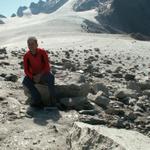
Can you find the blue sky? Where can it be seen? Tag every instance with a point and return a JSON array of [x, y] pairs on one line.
[[7, 7]]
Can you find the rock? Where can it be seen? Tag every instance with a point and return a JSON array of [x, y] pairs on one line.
[[88, 112], [144, 85], [116, 104], [4, 63], [118, 123], [115, 111], [44, 91], [137, 108], [117, 75], [3, 132], [67, 64], [93, 120], [20, 11], [3, 51], [84, 136], [124, 93], [77, 103], [72, 90], [118, 69], [99, 87], [134, 86], [131, 116], [68, 88], [11, 77], [146, 92], [129, 77], [132, 101], [101, 100]]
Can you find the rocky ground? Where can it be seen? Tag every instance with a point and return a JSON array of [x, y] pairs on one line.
[[94, 86]]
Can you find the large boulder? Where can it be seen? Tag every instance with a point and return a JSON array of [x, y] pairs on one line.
[[44, 91], [71, 85], [84, 136]]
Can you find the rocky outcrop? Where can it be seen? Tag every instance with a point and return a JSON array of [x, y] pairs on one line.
[[1, 22], [84, 136], [1, 19], [86, 4], [2, 16], [126, 16], [20, 11], [13, 15], [46, 7], [41, 7]]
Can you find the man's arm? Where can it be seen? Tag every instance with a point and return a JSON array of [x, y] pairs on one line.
[[26, 67], [46, 68]]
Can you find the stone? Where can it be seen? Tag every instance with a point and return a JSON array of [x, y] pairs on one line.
[[102, 101], [11, 77], [129, 77], [44, 91], [77, 103], [96, 87], [115, 111], [93, 120], [117, 75], [124, 93], [85, 136], [144, 85], [88, 112]]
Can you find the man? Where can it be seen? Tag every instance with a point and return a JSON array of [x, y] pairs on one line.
[[37, 69]]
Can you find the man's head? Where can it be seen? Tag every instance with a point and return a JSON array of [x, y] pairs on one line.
[[32, 44]]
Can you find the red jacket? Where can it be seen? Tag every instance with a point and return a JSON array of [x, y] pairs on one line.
[[35, 64]]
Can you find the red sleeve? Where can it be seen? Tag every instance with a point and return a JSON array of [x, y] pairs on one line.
[[26, 67], [46, 62]]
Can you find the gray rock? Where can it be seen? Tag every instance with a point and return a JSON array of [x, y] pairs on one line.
[[46, 7], [77, 103], [11, 77], [99, 99], [20, 11], [67, 64], [144, 85], [102, 101], [146, 92], [129, 77], [3, 133], [84, 136], [115, 111], [96, 87], [93, 120], [117, 75], [124, 93], [131, 116], [134, 86], [89, 112], [72, 90]]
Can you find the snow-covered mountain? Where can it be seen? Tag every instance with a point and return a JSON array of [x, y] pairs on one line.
[[75, 16], [2, 18], [47, 7]]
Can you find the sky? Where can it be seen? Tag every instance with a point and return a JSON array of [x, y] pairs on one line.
[[8, 7]]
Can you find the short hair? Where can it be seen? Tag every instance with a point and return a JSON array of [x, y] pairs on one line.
[[33, 38]]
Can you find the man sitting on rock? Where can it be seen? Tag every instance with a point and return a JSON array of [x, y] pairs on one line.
[[37, 70]]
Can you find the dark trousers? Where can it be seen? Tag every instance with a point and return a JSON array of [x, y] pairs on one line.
[[47, 79]]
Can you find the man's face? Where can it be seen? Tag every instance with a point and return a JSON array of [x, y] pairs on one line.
[[32, 45]]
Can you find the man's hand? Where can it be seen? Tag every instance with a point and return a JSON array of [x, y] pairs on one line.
[[37, 78]]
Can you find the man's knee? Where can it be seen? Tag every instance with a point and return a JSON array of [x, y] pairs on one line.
[[27, 81]]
